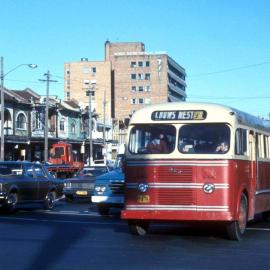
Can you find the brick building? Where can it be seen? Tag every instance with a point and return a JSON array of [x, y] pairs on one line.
[[128, 79]]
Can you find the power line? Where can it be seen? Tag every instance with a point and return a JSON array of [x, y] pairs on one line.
[[231, 69]]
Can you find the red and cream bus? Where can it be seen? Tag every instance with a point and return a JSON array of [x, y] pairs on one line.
[[215, 166]]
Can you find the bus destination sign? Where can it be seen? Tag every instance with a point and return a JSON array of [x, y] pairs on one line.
[[178, 115]]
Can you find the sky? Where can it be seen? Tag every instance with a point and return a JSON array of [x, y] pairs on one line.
[[224, 45]]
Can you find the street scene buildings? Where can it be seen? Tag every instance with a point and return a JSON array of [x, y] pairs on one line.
[[108, 91]]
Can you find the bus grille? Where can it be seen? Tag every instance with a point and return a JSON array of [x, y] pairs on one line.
[[117, 187], [176, 196], [174, 174]]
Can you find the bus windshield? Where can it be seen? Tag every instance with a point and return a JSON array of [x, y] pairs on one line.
[[152, 139], [204, 139]]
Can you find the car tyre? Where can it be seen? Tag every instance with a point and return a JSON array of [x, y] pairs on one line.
[[49, 200], [236, 229], [103, 210], [69, 198], [11, 203]]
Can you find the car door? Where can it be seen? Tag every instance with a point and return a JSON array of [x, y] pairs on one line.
[[28, 184], [43, 182]]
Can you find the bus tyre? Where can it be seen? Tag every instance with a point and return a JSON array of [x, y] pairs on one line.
[[138, 227], [266, 216], [236, 229], [103, 210]]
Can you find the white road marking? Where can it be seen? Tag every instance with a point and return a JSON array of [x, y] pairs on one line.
[[258, 229]]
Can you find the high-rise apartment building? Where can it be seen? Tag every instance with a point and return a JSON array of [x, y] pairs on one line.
[[130, 78]]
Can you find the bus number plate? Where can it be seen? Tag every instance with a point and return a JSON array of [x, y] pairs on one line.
[[143, 198]]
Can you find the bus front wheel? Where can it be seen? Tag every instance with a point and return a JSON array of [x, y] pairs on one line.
[[236, 229], [138, 227]]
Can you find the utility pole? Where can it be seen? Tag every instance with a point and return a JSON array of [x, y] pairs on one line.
[[2, 75], [47, 80], [104, 129], [89, 93], [2, 156]]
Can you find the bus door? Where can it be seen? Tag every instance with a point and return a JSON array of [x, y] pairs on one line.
[[252, 157]]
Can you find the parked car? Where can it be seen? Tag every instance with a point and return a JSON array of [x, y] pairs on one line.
[[26, 182], [83, 182], [109, 189]]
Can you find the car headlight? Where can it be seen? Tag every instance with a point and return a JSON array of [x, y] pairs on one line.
[[100, 189]]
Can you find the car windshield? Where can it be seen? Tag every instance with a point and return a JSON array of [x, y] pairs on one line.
[[119, 162], [204, 139], [95, 171], [152, 139], [11, 169]]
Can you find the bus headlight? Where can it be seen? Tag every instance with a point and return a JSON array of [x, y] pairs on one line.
[[100, 189], [208, 188]]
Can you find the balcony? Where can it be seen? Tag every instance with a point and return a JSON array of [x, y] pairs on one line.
[[177, 90], [176, 78]]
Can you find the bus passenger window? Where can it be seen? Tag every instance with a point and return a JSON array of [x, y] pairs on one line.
[[204, 139], [152, 139], [241, 142]]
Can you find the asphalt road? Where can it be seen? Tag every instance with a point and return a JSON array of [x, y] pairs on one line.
[[74, 236]]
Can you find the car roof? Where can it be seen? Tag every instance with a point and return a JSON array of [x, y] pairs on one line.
[[17, 162]]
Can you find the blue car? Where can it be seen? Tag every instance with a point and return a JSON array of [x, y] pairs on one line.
[[109, 189]]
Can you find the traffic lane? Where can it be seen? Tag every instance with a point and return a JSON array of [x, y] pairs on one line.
[[46, 241]]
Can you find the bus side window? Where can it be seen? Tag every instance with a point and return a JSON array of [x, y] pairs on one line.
[[266, 146], [241, 142]]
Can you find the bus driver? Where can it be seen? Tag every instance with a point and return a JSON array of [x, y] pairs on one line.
[[157, 145]]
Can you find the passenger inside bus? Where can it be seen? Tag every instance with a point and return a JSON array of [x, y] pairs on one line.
[[157, 145], [222, 147], [187, 146]]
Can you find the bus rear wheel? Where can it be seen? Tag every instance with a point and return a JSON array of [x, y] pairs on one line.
[[138, 227], [237, 228]]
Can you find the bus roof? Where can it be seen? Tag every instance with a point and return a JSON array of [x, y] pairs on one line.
[[196, 112]]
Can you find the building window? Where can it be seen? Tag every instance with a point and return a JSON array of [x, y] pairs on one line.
[[147, 63], [86, 70], [86, 82], [140, 76], [133, 64], [68, 95], [147, 101], [147, 88], [133, 101], [21, 121], [140, 63], [94, 69], [141, 101], [133, 88], [133, 76], [62, 124], [73, 128], [140, 88], [68, 72], [147, 76]]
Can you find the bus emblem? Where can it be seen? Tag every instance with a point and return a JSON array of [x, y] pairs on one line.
[[208, 188], [143, 187]]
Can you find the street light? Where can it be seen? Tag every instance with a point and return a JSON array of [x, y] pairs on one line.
[[89, 93], [3, 75]]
